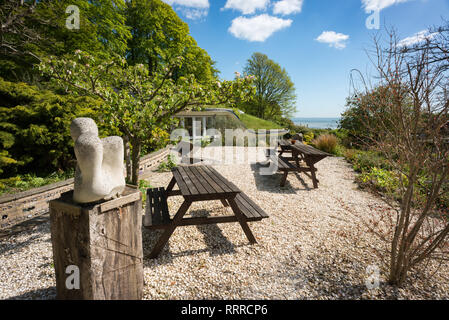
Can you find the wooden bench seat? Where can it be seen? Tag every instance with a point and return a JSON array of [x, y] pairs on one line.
[[157, 209], [249, 208], [283, 164]]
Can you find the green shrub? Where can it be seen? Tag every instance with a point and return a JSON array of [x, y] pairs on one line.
[[340, 151], [143, 186], [166, 166], [343, 137], [308, 137], [350, 155], [375, 172], [286, 123], [381, 179], [205, 142], [364, 161], [443, 200], [29, 181]]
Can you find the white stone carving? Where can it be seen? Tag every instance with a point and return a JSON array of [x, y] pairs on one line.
[[100, 170]]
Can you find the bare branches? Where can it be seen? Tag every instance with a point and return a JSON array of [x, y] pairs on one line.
[[405, 114], [15, 34]]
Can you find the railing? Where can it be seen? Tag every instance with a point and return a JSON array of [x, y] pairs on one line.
[[18, 207]]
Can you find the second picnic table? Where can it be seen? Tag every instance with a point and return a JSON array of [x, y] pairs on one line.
[[300, 152], [198, 183]]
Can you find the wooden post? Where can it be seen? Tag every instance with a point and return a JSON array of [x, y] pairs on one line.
[[104, 242], [203, 126], [193, 128]]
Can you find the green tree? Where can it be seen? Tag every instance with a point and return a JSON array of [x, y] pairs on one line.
[[102, 27], [34, 128], [366, 108], [35, 29], [352, 119], [137, 103], [159, 36], [275, 92]]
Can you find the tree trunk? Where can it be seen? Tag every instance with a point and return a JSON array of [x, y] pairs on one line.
[[135, 162], [400, 248], [399, 275], [128, 159]]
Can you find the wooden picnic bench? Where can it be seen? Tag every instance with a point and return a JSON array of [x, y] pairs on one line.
[[304, 157], [198, 183], [283, 165]]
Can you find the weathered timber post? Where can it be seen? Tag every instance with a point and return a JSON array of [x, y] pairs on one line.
[[104, 242]]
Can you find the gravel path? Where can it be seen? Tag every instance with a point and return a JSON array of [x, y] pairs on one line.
[[316, 244]]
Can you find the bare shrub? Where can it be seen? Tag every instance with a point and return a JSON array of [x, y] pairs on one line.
[[407, 110]]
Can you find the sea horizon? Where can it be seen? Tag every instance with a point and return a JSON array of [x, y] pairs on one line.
[[317, 122]]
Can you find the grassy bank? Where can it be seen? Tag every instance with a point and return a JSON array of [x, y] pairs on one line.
[[25, 182], [254, 123]]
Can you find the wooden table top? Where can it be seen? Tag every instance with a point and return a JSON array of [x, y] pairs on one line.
[[303, 148], [203, 181]]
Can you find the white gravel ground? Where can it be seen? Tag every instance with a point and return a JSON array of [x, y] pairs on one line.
[[316, 244]]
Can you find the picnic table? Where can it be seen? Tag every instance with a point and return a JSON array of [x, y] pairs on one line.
[[300, 154], [198, 183]]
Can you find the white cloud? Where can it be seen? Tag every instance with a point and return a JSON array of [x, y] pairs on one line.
[[247, 6], [204, 4], [417, 38], [194, 14], [258, 28], [191, 9], [377, 5], [336, 40], [286, 7]]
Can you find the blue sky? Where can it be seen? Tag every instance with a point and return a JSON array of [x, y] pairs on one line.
[[318, 42]]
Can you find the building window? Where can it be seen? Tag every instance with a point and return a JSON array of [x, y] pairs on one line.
[[188, 126], [210, 123]]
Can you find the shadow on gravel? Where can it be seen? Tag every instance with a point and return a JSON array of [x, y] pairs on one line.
[[150, 238], [328, 282], [35, 228], [13, 248], [271, 183], [216, 242], [24, 226], [39, 294]]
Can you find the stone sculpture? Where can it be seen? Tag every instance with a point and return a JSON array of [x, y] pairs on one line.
[[100, 170]]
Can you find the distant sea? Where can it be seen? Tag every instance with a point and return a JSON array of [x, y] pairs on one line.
[[317, 123]]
